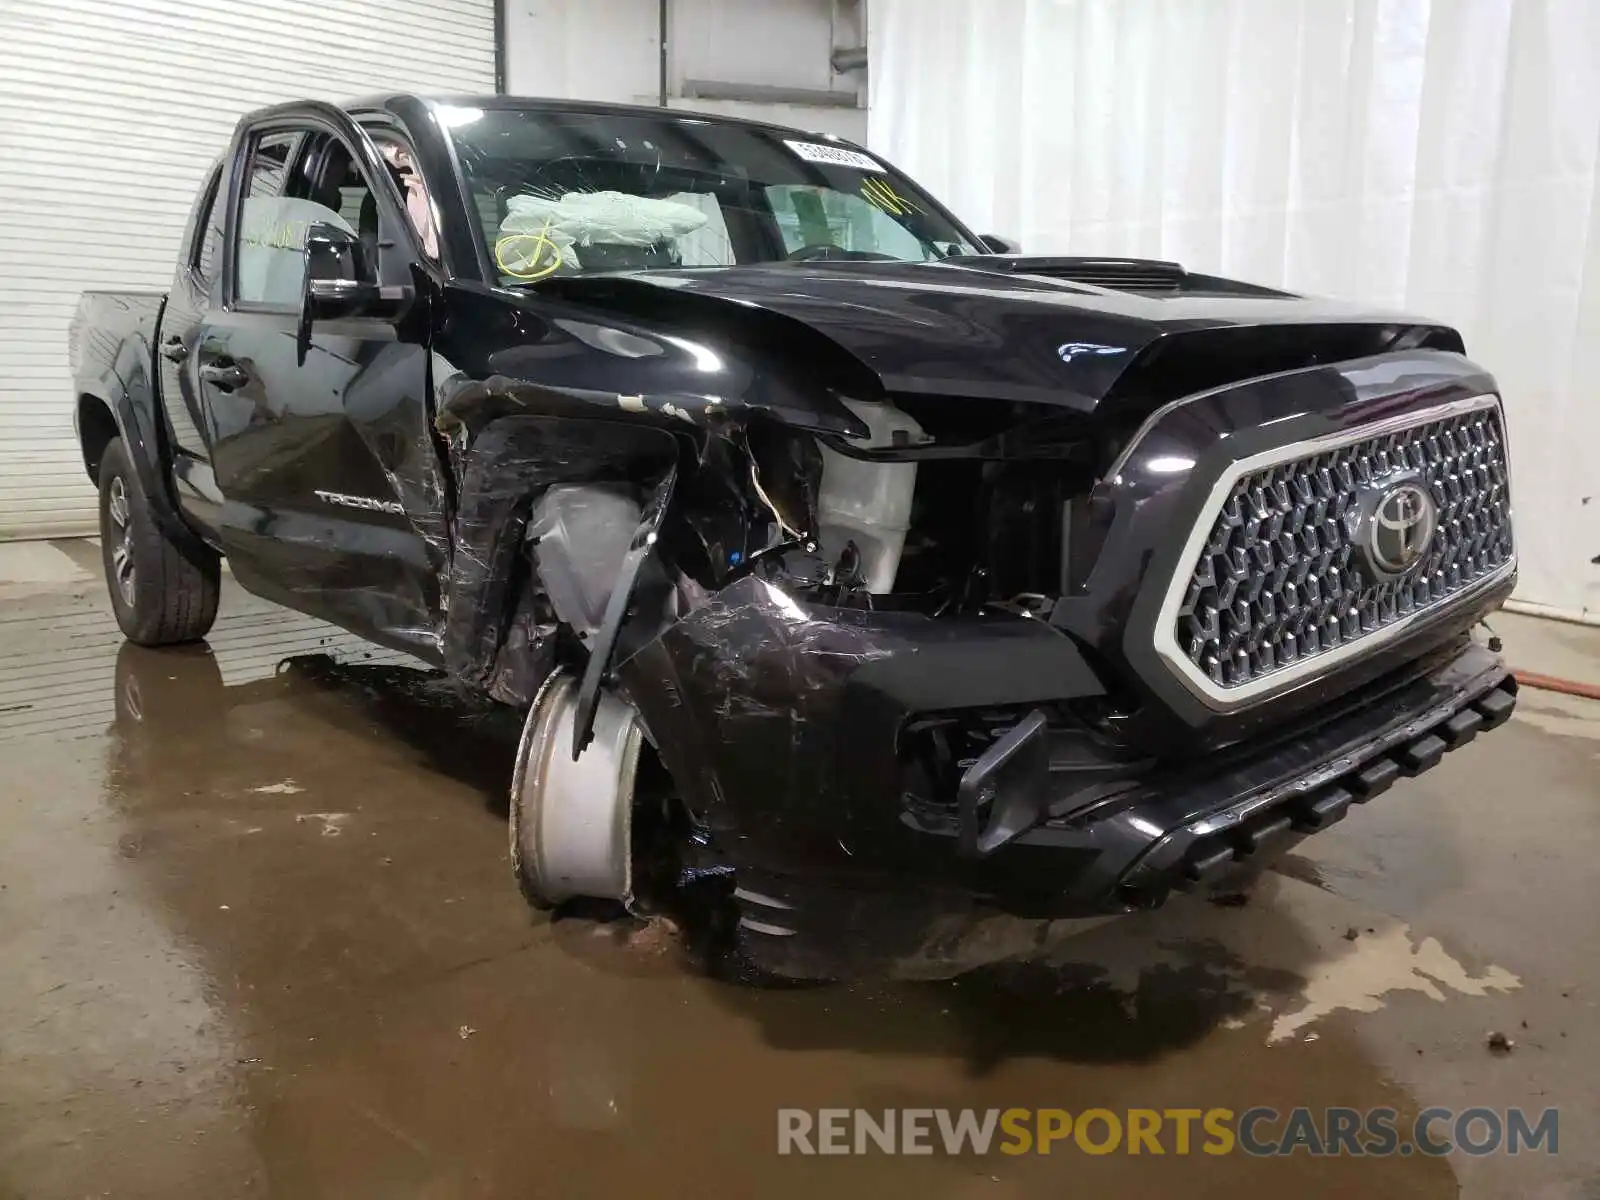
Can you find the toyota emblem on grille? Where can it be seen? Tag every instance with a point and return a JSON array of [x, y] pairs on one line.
[[1399, 528]]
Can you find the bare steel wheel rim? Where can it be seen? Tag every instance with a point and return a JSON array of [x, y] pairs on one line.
[[121, 540]]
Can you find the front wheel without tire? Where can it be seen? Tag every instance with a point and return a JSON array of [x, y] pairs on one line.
[[572, 819], [162, 593]]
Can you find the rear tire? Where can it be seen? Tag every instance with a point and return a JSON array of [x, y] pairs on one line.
[[162, 593]]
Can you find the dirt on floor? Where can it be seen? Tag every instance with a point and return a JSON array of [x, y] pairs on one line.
[[259, 938]]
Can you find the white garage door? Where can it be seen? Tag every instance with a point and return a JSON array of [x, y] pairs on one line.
[[110, 111]]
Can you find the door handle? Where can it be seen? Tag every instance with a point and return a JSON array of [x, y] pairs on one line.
[[225, 377], [173, 350]]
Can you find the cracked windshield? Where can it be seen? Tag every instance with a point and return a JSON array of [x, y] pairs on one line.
[[572, 193]]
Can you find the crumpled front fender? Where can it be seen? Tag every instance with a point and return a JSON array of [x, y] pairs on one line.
[[537, 353], [506, 467]]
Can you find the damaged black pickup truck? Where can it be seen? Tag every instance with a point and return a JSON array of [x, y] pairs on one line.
[[865, 571]]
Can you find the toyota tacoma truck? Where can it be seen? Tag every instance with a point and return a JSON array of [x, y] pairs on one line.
[[870, 574]]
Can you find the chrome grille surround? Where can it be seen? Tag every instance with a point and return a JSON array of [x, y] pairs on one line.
[[1271, 588]]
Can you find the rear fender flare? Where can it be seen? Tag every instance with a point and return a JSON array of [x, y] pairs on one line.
[[128, 392]]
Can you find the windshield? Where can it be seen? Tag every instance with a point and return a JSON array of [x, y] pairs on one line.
[[562, 193]]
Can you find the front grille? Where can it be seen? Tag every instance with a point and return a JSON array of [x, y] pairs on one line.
[[1283, 576]]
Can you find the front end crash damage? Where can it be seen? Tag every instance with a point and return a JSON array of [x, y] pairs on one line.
[[778, 605], [881, 787], [852, 633]]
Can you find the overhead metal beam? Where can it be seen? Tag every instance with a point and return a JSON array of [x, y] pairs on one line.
[[760, 93], [662, 21], [500, 47]]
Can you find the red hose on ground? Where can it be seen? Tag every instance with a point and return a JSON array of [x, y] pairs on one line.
[[1550, 683]]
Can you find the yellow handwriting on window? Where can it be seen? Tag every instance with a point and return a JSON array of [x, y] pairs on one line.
[[286, 235], [881, 193]]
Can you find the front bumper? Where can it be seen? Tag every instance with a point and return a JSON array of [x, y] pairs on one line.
[[805, 793], [1194, 829]]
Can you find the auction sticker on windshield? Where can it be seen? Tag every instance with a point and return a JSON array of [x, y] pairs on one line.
[[834, 156]]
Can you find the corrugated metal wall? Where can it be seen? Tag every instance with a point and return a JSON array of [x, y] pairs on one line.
[[110, 111]]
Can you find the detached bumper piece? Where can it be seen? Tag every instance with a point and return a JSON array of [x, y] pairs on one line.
[[1199, 852]]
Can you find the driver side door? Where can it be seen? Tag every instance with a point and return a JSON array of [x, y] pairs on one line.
[[321, 451]]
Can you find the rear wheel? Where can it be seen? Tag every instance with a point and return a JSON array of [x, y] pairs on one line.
[[161, 593]]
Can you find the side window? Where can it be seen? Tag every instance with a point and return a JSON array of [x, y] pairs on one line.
[[200, 217], [210, 254], [297, 179], [327, 174], [272, 225], [294, 180]]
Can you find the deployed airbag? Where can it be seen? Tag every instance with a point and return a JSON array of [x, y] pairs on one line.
[[539, 233]]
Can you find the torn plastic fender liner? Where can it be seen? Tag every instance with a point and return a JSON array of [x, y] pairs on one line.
[[506, 466], [780, 720], [605, 641]]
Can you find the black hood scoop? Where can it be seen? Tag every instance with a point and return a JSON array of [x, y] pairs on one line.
[[1141, 276]]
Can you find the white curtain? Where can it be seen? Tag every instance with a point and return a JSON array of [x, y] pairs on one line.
[[1439, 157]]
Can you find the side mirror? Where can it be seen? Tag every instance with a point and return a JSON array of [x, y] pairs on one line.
[[339, 280], [995, 244]]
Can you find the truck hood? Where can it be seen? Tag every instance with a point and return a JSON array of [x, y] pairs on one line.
[[1015, 329]]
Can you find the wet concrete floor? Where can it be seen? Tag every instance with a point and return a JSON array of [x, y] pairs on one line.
[[258, 937]]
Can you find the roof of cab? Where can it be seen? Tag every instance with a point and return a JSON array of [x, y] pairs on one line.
[[549, 104]]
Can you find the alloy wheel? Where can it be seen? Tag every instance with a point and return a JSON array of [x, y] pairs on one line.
[[121, 534]]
